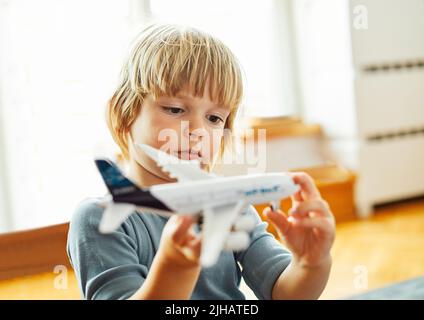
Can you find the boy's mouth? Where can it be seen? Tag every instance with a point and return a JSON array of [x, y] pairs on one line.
[[188, 154]]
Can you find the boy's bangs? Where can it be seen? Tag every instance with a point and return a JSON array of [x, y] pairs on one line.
[[189, 60]]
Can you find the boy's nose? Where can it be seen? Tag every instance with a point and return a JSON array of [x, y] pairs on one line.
[[195, 128], [197, 132]]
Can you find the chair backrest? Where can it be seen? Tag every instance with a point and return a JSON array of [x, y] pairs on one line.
[[34, 265], [33, 251]]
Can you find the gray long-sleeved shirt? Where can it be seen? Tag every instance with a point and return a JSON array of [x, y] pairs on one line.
[[115, 265]]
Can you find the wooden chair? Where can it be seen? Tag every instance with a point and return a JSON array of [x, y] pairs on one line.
[[34, 265]]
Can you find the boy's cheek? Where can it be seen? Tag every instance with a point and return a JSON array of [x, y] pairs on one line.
[[217, 140], [162, 128], [151, 130], [209, 152]]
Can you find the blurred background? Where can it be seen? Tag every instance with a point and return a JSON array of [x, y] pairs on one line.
[[337, 84]]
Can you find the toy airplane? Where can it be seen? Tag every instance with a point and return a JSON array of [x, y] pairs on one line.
[[218, 200]]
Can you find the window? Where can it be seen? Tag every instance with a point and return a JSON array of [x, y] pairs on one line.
[[59, 63]]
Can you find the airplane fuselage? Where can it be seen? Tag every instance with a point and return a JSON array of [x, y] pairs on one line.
[[190, 197]]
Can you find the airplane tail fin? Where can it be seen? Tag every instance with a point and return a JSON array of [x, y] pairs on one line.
[[115, 181]]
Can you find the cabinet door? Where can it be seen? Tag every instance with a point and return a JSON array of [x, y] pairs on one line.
[[395, 31], [391, 170], [390, 102]]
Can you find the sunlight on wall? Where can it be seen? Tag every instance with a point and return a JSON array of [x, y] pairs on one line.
[[59, 64]]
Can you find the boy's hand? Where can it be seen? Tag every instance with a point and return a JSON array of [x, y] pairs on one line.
[[179, 244], [175, 268], [309, 230]]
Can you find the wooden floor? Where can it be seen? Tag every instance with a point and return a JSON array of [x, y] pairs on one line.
[[371, 253], [375, 252], [367, 254], [43, 286]]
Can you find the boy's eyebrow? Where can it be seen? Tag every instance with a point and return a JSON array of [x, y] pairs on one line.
[[185, 99], [180, 100]]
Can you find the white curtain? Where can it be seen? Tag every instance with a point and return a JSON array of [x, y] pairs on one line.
[[59, 62]]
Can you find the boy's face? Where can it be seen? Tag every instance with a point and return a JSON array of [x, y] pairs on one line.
[[185, 126]]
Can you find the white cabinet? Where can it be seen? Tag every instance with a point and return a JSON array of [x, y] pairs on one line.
[[366, 87]]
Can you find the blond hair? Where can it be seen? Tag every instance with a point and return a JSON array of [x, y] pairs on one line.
[[165, 59]]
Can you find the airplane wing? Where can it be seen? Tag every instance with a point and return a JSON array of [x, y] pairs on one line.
[[114, 215], [217, 223], [183, 170]]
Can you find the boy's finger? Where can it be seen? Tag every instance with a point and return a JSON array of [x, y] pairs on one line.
[[192, 248], [297, 197], [182, 226], [278, 219], [320, 223], [189, 237], [307, 186], [196, 245], [303, 209]]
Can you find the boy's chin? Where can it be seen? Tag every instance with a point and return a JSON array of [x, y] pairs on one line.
[[149, 165], [164, 176]]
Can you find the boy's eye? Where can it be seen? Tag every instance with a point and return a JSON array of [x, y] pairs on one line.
[[173, 110], [215, 119]]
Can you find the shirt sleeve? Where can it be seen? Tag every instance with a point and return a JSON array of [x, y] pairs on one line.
[[264, 260], [106, 265]]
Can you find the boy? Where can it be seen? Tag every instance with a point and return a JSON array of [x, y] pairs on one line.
[[185, 81]]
